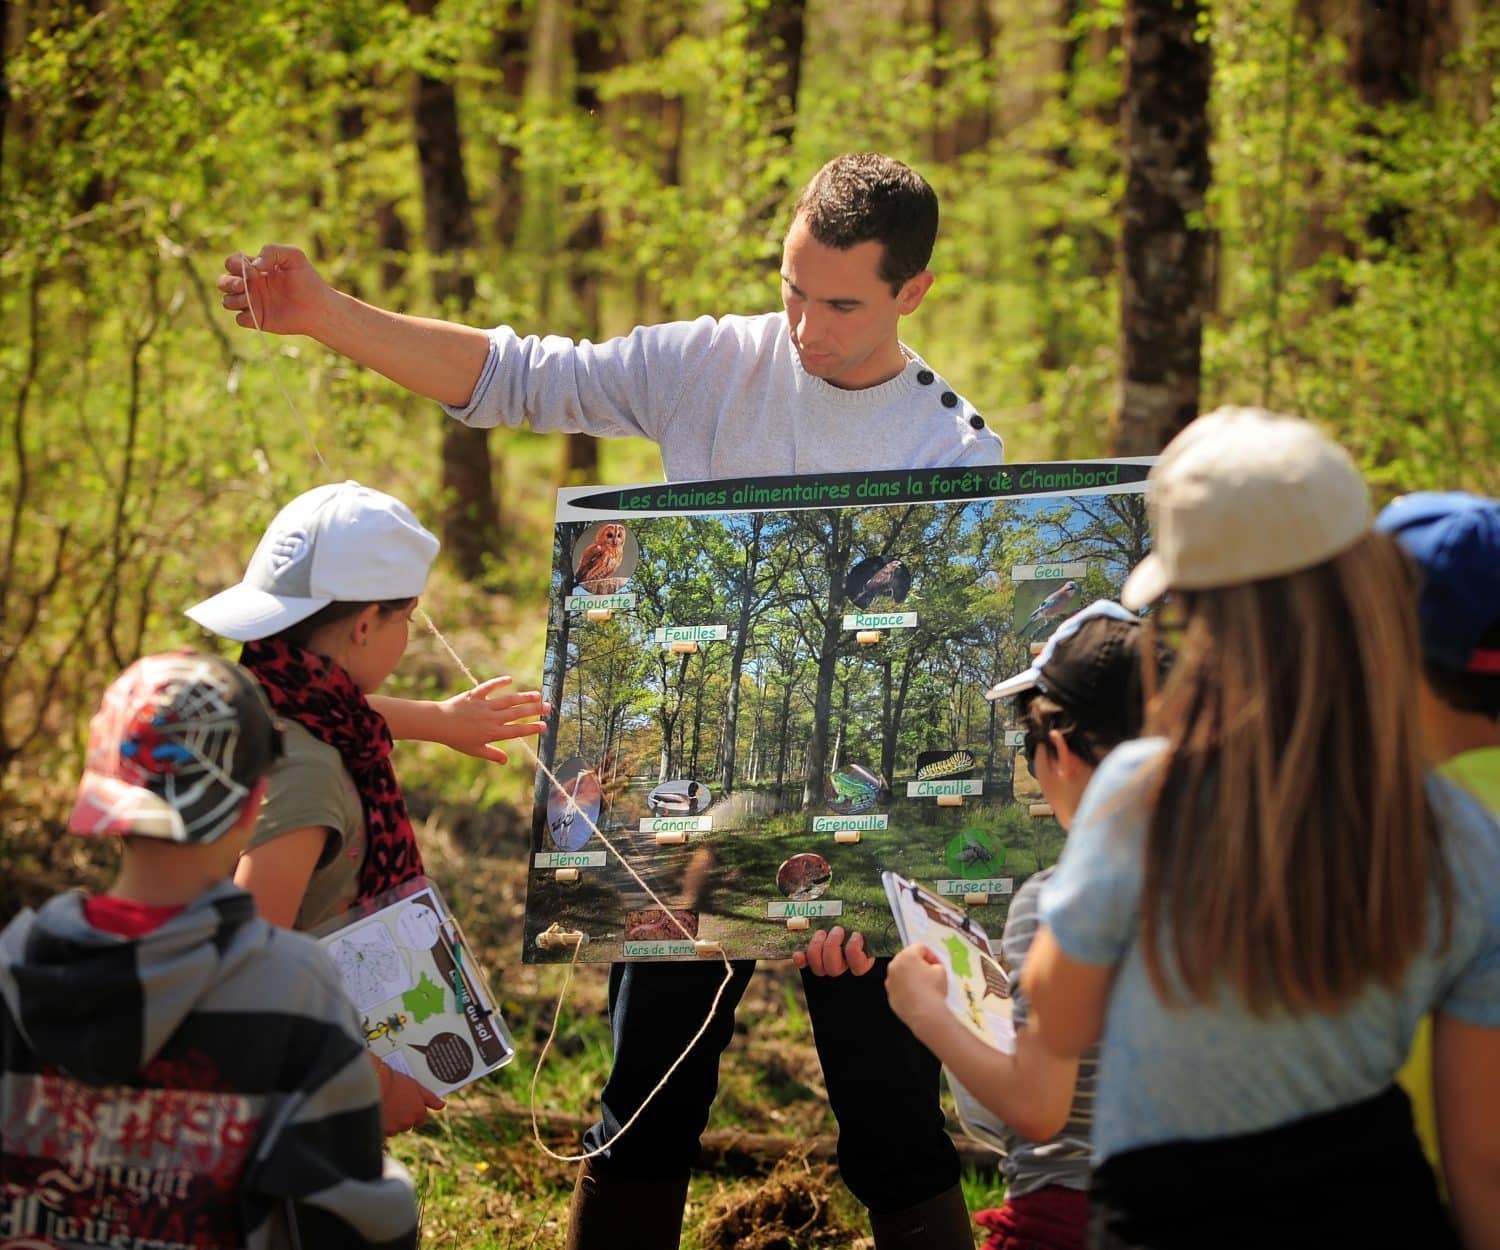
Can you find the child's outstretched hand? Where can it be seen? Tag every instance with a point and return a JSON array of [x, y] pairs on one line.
[[917, 985], [405, 1103], [470, 722], [827, 955], [476, 719]]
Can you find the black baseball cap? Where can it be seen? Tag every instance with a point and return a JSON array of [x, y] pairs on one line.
[[1092, 667]]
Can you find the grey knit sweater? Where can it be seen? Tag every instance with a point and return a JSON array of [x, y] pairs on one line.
[[726, 398]]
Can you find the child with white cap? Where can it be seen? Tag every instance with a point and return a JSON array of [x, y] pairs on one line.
[[324, 611], [132, 1110], [1255, 908], [1080, 698]]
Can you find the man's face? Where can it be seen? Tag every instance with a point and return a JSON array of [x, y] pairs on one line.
[[842, 314]]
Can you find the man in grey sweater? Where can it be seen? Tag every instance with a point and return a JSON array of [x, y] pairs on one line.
[[825, 386]]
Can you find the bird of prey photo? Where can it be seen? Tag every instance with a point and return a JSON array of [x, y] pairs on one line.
[[875, 577]]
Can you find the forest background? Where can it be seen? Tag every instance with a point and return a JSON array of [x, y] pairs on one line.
[[1150, 208]]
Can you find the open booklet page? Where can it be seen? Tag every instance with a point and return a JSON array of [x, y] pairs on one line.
[[978, 984], [423, 1001]]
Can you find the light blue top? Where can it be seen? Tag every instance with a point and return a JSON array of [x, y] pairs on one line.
[[1205, 1071]]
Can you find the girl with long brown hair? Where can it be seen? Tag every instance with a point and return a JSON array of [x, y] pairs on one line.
[[1258, 904]]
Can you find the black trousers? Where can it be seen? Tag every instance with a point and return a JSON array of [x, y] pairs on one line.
[[1353, 1177], [894, 1151]]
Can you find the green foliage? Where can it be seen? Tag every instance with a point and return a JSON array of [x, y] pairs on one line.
[[147, 439], [1359, 260]]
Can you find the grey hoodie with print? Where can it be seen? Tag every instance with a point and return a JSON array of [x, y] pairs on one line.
[[202, 1086]]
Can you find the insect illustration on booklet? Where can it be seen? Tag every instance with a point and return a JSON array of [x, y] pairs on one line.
[[388, 1027]]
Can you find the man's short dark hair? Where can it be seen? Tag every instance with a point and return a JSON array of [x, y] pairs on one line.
[[863, 196]]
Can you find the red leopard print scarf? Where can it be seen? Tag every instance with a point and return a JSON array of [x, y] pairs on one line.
[[321, 697]]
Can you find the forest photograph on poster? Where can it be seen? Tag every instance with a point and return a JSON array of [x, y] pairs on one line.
[[762, 710]]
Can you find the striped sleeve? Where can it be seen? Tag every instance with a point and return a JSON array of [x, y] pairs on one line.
[[1021, 923], [319, 1160]]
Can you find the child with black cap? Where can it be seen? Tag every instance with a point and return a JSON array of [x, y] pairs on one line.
[[1080, 698], [132, 1109]]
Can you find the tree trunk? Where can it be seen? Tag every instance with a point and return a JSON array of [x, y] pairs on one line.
[[780, 27], [512, 49], [776, 41], [963, 21], [748, 572], [835, 562], [392, 238], [1395, 56], [567, 535], [593, 34], [1164, 247], [785, 736], [471, 516]]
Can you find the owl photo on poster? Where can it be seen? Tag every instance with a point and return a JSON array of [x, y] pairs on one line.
[[604, 558]]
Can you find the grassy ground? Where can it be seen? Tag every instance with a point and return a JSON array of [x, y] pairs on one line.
[[488, 1186], [742, 875], [484, 1183]]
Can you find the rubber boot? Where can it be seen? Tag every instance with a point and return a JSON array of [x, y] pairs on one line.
[[611, 1212], [940, 1223]]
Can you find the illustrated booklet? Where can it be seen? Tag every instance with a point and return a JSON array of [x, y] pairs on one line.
[[765, 692], [424, 1004], [978, 981], [979, 989]]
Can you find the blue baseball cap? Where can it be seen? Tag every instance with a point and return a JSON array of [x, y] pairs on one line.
[[1455, 539]]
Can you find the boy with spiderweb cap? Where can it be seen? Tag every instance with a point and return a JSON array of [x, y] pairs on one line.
[[132, 1109]]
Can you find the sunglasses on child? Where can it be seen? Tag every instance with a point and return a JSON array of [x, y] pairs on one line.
[[1029, 745]]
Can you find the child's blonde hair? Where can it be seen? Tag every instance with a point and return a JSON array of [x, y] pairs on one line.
[[1291, 851]]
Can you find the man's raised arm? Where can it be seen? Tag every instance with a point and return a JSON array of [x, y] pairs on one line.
[[439, 359]]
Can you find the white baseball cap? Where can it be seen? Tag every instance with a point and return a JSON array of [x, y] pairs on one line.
[[1243, 494], [338, 543]]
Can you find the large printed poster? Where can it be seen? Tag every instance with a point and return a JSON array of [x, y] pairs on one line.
[[766, 692]]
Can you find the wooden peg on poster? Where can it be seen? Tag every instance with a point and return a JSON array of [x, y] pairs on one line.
[[557, 938]]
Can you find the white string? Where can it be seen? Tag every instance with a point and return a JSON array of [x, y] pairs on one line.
[[578, 946], [245, 263], [667, 911]]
